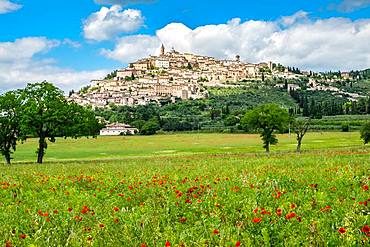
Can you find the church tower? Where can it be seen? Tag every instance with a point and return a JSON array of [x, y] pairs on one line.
[[162, 50]]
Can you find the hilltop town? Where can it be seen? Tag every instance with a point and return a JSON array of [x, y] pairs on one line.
[[171, 75], [174, 75]]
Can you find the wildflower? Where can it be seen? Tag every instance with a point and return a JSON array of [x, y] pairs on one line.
[[22, 236], [216, 232], [55, 211], [365, 229], [70, 209], [293, 206], [116, 220], [257, 220], [101, 225], [78, 218], [279, 212], [341, 230], [85, 209], [237, 244], [326, 208], [8, 243], [182, 220], [168, 244], [255, 211], [143, 245], [290, 216], [116, 209], [365, 187], [121, 195]]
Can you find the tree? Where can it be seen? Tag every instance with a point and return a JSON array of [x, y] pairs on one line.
[[9, 123], [267, 119], [365, 133], [48, 115], [300, 128], [150, 127]]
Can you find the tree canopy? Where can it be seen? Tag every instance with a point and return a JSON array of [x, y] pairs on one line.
[[267, 119]]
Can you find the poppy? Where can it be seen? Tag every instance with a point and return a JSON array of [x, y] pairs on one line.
[[22, 236], [116, 209], [116, 220], [168, 244], [85, 209], [365, 229], [257, 220], [101, 225], [365, 187], [341, 230], [143, 245], [279, 212], [237, 244], [215, 231]]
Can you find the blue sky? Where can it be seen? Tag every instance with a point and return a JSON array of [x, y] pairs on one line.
[[70, 42]]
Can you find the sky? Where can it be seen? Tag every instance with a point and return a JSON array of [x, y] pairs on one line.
[[69, 42]]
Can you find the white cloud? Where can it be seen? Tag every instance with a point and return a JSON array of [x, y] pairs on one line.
[[131, 48], [18, 66], [122, 2], [107, 23], [352, 5], [321, 44], [6, 6]]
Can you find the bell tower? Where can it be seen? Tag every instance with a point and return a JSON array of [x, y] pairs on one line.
[[162, 50]]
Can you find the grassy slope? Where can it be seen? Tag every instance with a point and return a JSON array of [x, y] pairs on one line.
[[180, 144]]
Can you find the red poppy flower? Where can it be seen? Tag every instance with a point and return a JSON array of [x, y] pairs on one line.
[[116, 209], [182, 219], [365, 187], [365, 229], [101, 225], [341, 230], [237, 244], [257, 220], [168, 244], [116, 220], [85, 209], [293, 206], [279, 212], [22, 236], [55, 211], [69, 209], [215, 231], [255, 211], [143, 245], [290, 215]]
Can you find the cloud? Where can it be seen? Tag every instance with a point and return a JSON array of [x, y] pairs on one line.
[[6, 6], [122, 2], [352, 5], [320, 44], [18, 65], [298, 16], [110, 22]]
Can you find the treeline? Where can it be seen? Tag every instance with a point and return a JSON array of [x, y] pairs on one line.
[[40, 110], [325, 105], [360, 75]]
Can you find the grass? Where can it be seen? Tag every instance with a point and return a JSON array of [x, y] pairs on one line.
[[188, 190], [181, 144]]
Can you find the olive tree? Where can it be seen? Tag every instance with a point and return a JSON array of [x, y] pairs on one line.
[[300, 128], [267, 119]]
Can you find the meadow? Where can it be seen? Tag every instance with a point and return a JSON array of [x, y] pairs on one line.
[[188, 190]]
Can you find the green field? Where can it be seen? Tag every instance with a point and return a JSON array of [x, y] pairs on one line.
[[182, 144], [189, 190]]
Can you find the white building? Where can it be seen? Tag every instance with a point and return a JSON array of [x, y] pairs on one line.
[[117, 129]]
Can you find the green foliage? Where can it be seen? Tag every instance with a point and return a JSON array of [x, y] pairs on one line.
[[10, 113], [150, 127], [267, 119], [365, 133], [46, 114], [111, 75]]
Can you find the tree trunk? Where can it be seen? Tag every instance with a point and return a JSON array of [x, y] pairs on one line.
[[7, 158], [40, 151], [299, 145], [268, 147]]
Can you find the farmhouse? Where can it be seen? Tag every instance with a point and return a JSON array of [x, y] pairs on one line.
[[117, 129]]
